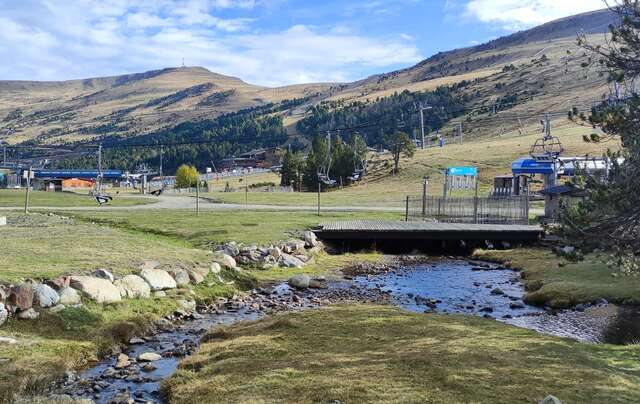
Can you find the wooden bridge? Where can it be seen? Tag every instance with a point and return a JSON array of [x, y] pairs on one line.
[[428, 231]]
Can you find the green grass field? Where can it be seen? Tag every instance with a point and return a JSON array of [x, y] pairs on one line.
[[214, 227], [380, 354], [553, 281], [15, 198], [41, 246]]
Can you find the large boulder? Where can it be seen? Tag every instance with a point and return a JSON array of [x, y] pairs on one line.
[[299, 281], [310, 239], [149, 264], [225, 260], [180, 275], [133, 286], [69, 296], [21, 297], [4, 314], [158, 279], [290, 261], [45, 296], [96, 289]]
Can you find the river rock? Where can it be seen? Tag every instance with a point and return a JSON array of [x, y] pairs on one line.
[[45, 296], [104, 274], [57, 308], [294, 247], [197, 275], [149, 264], [122, 361], [60, 282], [189, 306], [29, 314], [275, 252], [8, 341], [69, 296], [516, 305], [497, 291], [158, 279], [180, 275], [300, 281], [21, 297], [290, 261], [133, 286], [136, 341], [317, 283], [4, 314], [149, 357], [550, 400], [231, 248], [310, 239], [97, 289], [225, 260]]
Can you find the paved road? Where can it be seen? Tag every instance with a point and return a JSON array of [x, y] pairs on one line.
[[188, 202]]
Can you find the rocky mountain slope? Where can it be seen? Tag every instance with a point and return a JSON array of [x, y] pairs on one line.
[[530, 71]]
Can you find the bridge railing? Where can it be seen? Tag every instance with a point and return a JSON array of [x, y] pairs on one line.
[[485, 210]]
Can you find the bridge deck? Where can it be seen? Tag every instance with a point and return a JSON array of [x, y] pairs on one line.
[[397, 230]]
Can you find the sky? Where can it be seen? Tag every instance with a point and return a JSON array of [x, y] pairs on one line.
[[265, 42]]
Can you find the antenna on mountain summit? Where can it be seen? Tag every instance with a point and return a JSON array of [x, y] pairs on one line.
[[183, 62]]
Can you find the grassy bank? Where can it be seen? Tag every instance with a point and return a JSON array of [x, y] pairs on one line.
[[39, 246], [383, 354], [551, 280], [15, 198], [214, 227]]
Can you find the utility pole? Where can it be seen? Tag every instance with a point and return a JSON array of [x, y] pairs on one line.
[[425, 185], [460, 131], [26, 197], [161, 172], [198, 197], [422, 109]]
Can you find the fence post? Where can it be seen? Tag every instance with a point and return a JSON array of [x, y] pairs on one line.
[[406, 209], [425, 184], [475, 204]]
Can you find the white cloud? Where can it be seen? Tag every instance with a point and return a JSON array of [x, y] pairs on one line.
[[57, 39], [520, 14]]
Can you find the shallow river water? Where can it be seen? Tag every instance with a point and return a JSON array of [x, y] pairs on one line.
[[439, 285]]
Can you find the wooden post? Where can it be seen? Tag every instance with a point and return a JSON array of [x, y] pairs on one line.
[[406, 209], [246, 195], [319, 189]]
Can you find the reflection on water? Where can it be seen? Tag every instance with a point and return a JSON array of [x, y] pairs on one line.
[[458, 286]]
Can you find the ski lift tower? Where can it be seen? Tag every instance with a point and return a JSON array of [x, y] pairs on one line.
[[546, 151]]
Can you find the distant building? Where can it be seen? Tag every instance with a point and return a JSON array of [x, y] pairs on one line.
[[260, 158]]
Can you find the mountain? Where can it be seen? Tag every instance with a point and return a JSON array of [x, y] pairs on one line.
[[128, 105], [527, 73]]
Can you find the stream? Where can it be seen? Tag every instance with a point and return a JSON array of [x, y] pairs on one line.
[[438, 285]]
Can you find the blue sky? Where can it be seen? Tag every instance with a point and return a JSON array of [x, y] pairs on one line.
[[267, 42]]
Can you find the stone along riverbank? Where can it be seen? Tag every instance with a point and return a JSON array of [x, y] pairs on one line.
[[436, 285]]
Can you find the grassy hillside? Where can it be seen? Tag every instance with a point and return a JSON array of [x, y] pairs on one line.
[[522, 75]]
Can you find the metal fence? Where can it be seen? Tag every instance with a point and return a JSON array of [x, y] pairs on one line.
[[491, 210]]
